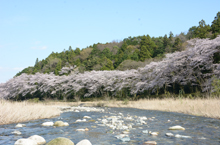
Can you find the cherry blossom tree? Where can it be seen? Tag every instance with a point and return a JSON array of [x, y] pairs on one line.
[[194, 67]]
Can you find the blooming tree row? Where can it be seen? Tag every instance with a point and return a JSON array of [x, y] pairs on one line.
[[193, 67]]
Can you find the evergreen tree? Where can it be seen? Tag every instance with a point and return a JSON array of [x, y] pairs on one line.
[[124, 46], [170, 38], [165, 41], [203, 29], [58, 68], [77, 51], [177, 44], [216, 25], [144, 53]]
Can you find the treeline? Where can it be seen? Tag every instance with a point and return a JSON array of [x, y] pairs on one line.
[[131, 53], [185, 73]]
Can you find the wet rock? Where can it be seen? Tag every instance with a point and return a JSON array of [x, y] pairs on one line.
[[60, 123], [87, 117], [145, 131], [38, 139], [125, 139], [86, 129], [79, 120], [84, 142], [177, 127], [154, 133], [126, 132], [20, 125], [16, 132], [201, 138], [66, 124], [182, 136], [60, 141], [47, 124], [25, 142], [150, 143], [169, 134], [120, 136]]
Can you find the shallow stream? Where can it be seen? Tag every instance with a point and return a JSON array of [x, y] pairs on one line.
[[203, 131]]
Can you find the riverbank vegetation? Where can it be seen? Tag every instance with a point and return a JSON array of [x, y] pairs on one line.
[[14, 112], [137, 68]]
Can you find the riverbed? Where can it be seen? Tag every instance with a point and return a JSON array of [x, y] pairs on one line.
[[114, 126]]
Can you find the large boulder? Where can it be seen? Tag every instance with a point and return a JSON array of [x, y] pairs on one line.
[[60, 141], [38, 139], [23, 141], [84, 142]]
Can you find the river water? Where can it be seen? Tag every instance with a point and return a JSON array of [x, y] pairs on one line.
[[202, 130]]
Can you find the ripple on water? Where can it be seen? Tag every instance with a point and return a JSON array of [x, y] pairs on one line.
[[202, 130]]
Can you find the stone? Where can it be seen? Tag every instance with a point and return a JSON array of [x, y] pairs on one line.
[[79, 120], [47, 124], [182, 136], [23, 141], [169, 134], [60, 141], [125, 139], [84, 142], [39, 140], [176, 128], [145, 131], [120, 136], [86, 129], [150, 143], [87, 117], [20, 125], [60, 123], [16, 132], [154, 133], [66, 124]]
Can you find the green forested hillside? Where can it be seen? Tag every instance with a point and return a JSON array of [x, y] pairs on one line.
[[131, 53]]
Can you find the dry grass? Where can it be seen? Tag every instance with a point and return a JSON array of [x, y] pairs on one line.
[[200, 107], [14, 112]]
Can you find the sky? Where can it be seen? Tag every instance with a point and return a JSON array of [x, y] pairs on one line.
[[34, 29]]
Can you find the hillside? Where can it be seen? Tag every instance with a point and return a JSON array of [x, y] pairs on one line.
[[141, 65], [188, 71]]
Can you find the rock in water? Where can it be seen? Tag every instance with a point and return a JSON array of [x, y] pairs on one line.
[[60, 141], [61, 123], [38, 139], [182, 136], [169, 134], [16, 132], [25, 142], [47, 124], [176, 128], [20, 125], [125, 139], [150, 143], [84, 142]]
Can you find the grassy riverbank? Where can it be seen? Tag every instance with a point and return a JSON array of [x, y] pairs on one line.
[[209, 107], [14, 112]]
